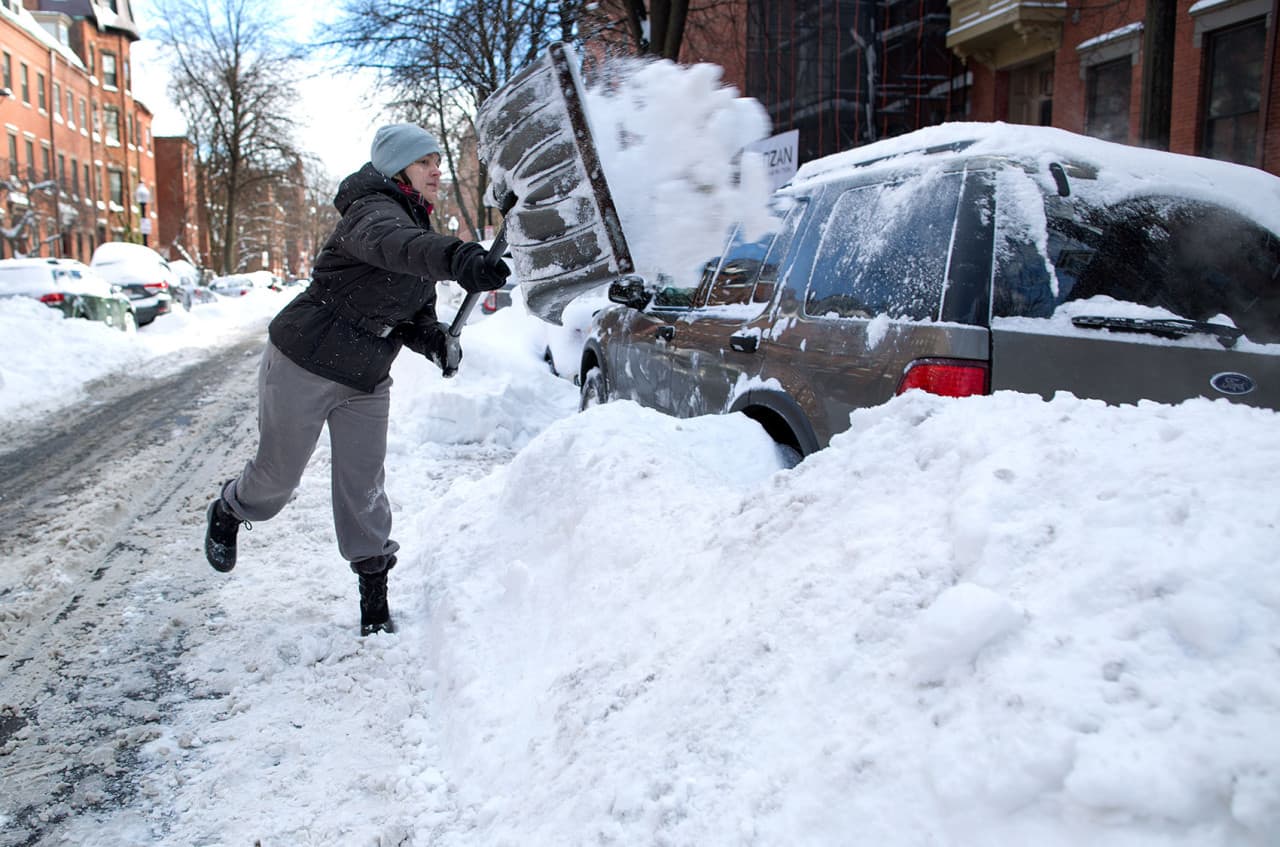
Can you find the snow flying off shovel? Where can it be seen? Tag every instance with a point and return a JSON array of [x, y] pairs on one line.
[[563, 233]]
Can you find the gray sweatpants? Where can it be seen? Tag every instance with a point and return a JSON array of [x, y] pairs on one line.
[[293, 405]]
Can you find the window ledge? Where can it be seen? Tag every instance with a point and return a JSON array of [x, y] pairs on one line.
[[1217, 14]]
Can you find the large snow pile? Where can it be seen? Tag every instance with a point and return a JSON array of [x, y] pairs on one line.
[[990, 621], [671, 139]]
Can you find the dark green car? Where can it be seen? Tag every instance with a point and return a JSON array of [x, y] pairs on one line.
[[69, 286]]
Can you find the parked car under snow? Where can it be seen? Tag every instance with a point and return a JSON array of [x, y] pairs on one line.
[[965, 259]]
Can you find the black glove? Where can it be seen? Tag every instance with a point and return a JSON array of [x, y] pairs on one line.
[[432, 339], [472, 270], [443, 349]]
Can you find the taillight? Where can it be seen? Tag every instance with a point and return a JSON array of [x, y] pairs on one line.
[[947, 377], [157, 287], [490, 302], [51, 299]]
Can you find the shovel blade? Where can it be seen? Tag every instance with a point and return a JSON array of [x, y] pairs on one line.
[[563, 233]]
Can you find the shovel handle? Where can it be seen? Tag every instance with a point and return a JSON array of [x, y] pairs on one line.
[[493, 257]]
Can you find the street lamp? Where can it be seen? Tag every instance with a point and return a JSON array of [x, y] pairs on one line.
[[143, 196]]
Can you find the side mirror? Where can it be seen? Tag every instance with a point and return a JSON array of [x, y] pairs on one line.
[[629, 291]]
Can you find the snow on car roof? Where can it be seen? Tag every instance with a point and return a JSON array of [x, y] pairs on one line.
[[1122, 170], [120, 251]]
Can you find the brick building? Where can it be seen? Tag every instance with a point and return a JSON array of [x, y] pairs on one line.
[[846, 72], [842, 72], [76, 142], [181, 231], [1079, 66]]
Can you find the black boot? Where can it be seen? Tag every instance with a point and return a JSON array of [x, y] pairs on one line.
[[374, 614], [220, 536]]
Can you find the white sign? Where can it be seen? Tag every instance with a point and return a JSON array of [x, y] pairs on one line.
[[144, 226], [781, 155]]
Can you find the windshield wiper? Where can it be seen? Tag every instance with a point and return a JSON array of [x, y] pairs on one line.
[[1163, 327]]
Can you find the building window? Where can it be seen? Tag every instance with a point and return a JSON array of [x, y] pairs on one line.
[[88, 183], [84, 122], [129, 133], [13, 155], [109, 78], [1107, 100], [75, 177], [71, 109], [6, 71], [93, 61], [117, 187], [41, 101], [62, 172], [31, 160], [57, 99], [111, 119], [127, 82], [1234, 92], [25, 78], [46, 172]]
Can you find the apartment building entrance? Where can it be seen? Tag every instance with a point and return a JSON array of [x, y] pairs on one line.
[[1031, 93]]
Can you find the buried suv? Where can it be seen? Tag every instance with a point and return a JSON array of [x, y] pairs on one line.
[[964, 259]]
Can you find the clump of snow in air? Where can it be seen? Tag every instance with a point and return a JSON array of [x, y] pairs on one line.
[[670, 141]]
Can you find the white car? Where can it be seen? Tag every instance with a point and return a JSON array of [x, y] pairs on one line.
[[69, 286], [141, 272]]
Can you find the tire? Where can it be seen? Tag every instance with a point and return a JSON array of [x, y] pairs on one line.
[[594, 390], [130, 324]]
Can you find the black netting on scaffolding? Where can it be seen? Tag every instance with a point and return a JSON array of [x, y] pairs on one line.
[[848, 72]]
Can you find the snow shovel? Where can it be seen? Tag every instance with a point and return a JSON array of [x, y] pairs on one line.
[[493, 257], [564, 233]]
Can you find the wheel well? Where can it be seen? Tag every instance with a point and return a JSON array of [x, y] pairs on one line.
[[589, 361], [775, 425]]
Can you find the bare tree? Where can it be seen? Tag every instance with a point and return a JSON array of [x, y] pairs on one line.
[[440, 60], [234, 81]]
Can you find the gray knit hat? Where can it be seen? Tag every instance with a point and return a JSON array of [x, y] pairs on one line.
[[396, 146]]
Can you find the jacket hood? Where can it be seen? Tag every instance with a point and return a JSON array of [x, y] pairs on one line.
[[363, 182]]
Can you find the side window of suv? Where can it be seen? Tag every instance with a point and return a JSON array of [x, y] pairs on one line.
[[748, 271], [885, 250]]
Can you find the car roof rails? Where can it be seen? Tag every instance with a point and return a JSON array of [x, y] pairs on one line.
[[949, 147]]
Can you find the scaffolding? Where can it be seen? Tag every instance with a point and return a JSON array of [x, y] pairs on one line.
[[849, 72]]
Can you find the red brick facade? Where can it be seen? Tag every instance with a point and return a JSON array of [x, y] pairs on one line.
[[70, 122], [1096, 32], [181, 232]]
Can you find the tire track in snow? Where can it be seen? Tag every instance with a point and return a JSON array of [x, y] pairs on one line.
[[98, 503]]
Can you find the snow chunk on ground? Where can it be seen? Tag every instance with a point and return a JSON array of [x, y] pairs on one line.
[[959, 624]]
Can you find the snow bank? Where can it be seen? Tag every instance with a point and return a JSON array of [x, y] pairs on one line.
[[46, 360], [987, 621]]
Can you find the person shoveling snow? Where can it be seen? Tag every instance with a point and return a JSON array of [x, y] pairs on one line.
[[330, 354]]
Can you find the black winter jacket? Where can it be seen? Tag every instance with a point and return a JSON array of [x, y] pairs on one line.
[[372, 287]]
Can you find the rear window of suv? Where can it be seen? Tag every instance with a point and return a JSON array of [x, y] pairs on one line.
[[885, 250], [1194, 259]]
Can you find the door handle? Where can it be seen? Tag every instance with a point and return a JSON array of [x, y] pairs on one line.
[[744, 342], [666, 333]]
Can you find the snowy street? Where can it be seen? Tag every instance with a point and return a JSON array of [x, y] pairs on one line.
[[979, 622]]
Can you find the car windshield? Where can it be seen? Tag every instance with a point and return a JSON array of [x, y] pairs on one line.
[[1193, 259]]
